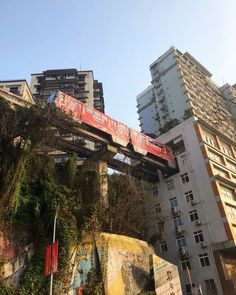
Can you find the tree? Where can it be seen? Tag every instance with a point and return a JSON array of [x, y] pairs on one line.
[[32, 185], [22, 132]]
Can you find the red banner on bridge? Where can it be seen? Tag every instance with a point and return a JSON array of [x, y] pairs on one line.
[[119, 132]]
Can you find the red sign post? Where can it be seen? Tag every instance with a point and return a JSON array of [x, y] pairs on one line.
[[51, 259]]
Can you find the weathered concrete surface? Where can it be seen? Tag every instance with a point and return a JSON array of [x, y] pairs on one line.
[[128, 266]]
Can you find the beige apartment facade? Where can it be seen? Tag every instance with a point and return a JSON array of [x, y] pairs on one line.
[[198, 206], [16, 92], [220, 155], [191, 113]]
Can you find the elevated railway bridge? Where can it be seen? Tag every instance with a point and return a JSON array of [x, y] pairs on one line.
[[98, 137], [143, 155]]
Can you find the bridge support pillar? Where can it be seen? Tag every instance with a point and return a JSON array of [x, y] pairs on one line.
[[103, 182], [100, 180], [99, 164]]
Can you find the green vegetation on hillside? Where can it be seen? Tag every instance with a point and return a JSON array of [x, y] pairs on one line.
[[32, 185]]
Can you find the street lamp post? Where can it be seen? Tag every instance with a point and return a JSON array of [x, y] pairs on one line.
[[53, 241]]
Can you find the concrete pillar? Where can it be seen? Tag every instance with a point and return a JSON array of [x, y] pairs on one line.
[[100, 181], [103, 182]]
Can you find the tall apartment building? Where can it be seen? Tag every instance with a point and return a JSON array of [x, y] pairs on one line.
[[182, 87], [79, 84], [198, 203]]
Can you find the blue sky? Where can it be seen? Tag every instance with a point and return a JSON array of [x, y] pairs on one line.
[[117, 39]]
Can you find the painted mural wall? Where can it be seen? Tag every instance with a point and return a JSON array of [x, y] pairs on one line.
[[128, 266]]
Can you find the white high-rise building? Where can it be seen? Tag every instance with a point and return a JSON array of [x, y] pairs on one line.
[[198, 203], [182, 87]]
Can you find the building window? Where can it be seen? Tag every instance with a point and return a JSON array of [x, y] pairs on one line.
[[61, 76], [155, 192], [234, 228], [181, 242], [184, 178], [226, 149], [231, 165], [70, 75], [158, 208], [96, 103], [189, 196], [193, 215], [173, 202], [97, 95], [221, 172], [163, 247], [198, 236], [227, 193], [81, 88], [204, 259], [188, 290], [81, 78], [233, 177], [14, 90], [210, 287], [183, 159], [177, 221], [231, 211], [169, 184], [211, 140], [215, 157], [185, 262], [161, 226]]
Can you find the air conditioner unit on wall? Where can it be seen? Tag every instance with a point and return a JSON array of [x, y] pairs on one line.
[[175, 210], [179, 229], [183, 251], [193, 202], [198, 222], [204, 245]]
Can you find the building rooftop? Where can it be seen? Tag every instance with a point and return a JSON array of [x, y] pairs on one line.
[[149, 88], [62, 70], [18, 80], [186, 54], [189, 56]]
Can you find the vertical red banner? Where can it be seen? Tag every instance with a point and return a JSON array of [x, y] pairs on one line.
[[47, 269], [54, 263], [51, 259]]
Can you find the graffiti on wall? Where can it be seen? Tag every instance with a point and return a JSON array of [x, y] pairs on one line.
[[128, 267]]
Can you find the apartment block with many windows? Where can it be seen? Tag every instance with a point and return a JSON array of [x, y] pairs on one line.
[[198, 203], [182, 87], [79, 84]]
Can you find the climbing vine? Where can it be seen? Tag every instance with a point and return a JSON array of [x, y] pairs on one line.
[[33, 186]]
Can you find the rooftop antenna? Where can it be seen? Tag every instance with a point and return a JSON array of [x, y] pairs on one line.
[[80, 67]]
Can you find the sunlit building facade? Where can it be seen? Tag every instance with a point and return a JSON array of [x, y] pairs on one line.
[[198, 203]]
